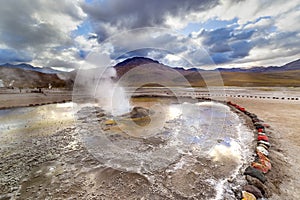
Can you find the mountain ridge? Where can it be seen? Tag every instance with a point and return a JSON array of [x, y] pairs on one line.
[[29, 67], [144, 70], [135, 61], [154, 72]]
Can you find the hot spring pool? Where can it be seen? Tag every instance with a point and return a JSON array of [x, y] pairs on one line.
[[191, 149]]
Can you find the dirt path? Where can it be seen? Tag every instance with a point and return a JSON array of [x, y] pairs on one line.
[[284, 118]]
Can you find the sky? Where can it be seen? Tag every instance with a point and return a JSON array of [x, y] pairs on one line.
[[190, 33]]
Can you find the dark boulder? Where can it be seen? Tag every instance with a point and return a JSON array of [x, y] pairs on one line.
[[255, 173], [138, 112], [259, 126], [257, 183], [253, 190]]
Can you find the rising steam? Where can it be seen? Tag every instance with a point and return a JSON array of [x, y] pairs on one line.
[[96, 83]]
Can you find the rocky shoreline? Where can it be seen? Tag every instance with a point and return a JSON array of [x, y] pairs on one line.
[[263, 176]]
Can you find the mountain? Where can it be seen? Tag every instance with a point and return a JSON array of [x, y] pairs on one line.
[[295, 65], [139, 70], [25, 66], [26, 76]]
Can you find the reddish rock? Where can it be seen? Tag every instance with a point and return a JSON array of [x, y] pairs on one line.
[[263, 137]]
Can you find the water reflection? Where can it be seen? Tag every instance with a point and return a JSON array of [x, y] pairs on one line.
[[30, 121]]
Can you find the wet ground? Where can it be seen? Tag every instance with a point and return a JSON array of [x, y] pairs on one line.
[[189, 151]]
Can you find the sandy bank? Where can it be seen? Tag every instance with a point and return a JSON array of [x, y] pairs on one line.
[[284, 118]]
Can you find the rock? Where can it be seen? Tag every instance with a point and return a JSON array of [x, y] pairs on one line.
[[262, 150], [247, 113], [248, 196], [266, 125], [253, 190], [260, 167], [259, 127], [262, 145], [110, 122], [138, 112], [264, 160], [255, 173], [261, 133], [253, 116], [257, 183], [267, 144], [255, 120], [263, 137]]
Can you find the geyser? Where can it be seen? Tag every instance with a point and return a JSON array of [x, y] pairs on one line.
[[95, 82]]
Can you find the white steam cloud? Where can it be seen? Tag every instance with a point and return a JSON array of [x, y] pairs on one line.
[[94, 81]]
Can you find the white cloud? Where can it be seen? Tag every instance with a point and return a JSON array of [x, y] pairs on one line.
[[289, 21], [42, 28]]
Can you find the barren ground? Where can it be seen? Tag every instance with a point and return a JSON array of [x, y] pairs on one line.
[[284, 118]]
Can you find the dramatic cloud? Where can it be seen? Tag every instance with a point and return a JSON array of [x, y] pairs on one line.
[[118, 14], [231, 33], [38, 26]]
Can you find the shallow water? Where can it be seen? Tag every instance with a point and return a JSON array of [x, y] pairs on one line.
[[180, 139], [17, 123], [189, 149]]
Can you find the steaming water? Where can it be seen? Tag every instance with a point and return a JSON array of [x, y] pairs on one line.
[[204, 139], [186, 137]]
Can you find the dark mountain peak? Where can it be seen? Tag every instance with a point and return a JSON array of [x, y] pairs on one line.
[[135, 61]]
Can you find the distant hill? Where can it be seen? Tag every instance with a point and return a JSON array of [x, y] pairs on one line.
[[27, 76], [139, 70], [29, 67], [295, 65]]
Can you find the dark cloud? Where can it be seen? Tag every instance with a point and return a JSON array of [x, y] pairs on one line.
[[240, 49], [25, 25], [216, 36], [139, 13], [220, 58], [145, 40], [225, 44], [220, 47]]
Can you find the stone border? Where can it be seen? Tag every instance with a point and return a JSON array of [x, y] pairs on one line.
[[255, 173]]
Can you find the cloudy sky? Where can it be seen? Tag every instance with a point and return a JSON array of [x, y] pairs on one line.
[[206, 33]]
